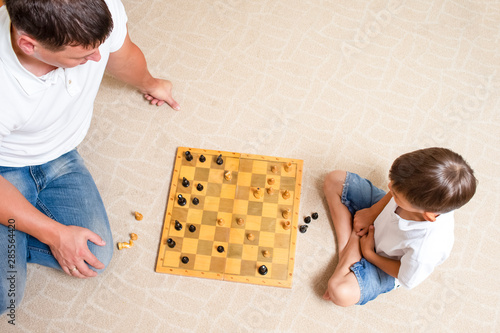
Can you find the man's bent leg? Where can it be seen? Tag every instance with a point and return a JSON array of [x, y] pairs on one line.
[[69, 195]]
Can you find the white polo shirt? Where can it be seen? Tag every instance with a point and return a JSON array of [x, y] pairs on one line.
[[44, 118], [420, 245]]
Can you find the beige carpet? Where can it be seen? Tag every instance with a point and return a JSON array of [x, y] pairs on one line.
[[339, 84]]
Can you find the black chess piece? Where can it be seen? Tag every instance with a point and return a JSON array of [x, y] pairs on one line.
[[314, 216], [196, 201], [181, 201], [171, 243], [220, 249], [192, 228], [189, 157], [178, 225], [199, 187], [202, 159], [185, 182], [303, 228], [307, 219], [263, 270], [185, 260], [219, 160]]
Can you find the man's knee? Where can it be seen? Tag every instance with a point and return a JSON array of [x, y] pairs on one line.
[[102, 253], [334, 182]]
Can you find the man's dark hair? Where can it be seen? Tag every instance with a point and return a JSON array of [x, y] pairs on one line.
[[435, 180], [59, 23]]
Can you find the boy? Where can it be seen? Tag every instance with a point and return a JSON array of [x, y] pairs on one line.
[[386, 240], [53, 54]]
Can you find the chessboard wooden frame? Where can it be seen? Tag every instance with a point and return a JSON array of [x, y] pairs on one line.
[[169, 260]]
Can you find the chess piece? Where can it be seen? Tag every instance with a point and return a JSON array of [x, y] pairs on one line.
[[196, 201], [133, 236], [185, 260], [271, 181], [270, 191], [288, 166], [314, 216], [220, 249], [138, 216], [202, 159], [307, 219], [263, 270], [170, 243], [178, 225], [123, 245], [257, 193], [181, 200], [250, 237], [185, 182], [199, 187], [188, 155], [274, 169], [287, 225], [240, 221], [286, 194], [228, 175], [266, 254], [303, 228], [192, 228], [286, 213], [220, 222], [219, 160]]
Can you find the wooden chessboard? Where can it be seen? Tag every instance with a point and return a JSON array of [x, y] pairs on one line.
[[232, 200]]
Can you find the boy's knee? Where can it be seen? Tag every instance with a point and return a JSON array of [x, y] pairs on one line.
[[334, 181], [342, 294]]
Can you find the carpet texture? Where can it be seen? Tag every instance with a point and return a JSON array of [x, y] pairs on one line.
[[340, 84]]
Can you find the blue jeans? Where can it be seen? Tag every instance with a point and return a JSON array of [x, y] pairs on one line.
[[64, 190], [359, 193]]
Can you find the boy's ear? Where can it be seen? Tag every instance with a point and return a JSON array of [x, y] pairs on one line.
[[431, 217]]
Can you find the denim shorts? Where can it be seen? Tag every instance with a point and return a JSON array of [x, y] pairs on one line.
[[360, 193]]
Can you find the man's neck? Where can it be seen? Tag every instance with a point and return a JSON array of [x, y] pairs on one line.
[[33, 65]]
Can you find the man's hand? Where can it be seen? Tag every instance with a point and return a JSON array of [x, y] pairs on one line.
[[367, 243], [72, 252], [161, 94]]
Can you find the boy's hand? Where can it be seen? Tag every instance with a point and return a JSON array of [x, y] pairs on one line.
[[161, 94], [367, 243], [362, 220]]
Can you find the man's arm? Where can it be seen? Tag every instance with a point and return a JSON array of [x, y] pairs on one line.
[[367, 243], [129, 65], [67, 243], [365, 217]]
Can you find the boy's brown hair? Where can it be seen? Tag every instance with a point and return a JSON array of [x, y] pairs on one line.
[[60, 23], [435, 180]]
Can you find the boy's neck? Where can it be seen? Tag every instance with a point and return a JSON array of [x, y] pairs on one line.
[[410, 216]]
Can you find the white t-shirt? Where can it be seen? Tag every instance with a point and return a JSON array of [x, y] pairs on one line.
[[44, 118], [420, 245]]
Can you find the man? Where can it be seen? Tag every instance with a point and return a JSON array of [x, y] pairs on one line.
[[53, 54]]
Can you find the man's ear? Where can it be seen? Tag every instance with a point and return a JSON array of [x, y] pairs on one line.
[[431, 217], [26, 44]]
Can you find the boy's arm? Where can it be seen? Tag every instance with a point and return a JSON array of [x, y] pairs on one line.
[[129, 65], [67, 243], [365, 217], [367, 243]]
